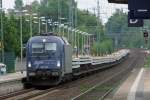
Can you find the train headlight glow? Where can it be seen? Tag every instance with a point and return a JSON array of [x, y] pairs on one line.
[[44, 40], [29, 64], [32, 74], [58, 63]]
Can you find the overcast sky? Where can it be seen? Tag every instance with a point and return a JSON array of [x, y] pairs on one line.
[[105, 8]]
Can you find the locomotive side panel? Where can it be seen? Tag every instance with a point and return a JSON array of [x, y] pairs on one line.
[[68, 59]]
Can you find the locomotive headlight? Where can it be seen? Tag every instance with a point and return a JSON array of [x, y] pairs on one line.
[[58, 63], [29, 64], [32, 74]]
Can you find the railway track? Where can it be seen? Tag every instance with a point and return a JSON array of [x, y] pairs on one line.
[[92, 93], [2, 97], [26, 94], [72, 90]]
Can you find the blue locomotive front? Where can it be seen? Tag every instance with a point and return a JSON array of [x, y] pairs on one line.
[[45, 60]]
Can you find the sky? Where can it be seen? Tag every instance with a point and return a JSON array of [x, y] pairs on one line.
[[106, 9]]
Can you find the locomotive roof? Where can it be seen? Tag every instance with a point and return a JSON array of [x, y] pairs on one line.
[[48, 38], [53, 38]]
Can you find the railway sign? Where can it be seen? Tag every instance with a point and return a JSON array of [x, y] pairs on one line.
[[135, 22], [139, 9], [145, 34]]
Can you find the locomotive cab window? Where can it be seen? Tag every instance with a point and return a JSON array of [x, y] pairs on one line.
[[37, 48], [50, 46], [44, 49]]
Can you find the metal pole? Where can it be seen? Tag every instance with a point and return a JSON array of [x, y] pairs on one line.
[[90, 45], [39, 25], [72, 38], [75, 7], [87, 42], [59, 14], [68, 34], [53, 27], [63, 31], [59, 27], [93, 44], [21, 44], [46, 25], [30, 24], [2, 33], [98, 18], [82, 43], [75, 39], [70, 13], [78, 45]]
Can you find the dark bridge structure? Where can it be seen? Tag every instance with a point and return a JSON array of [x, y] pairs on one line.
[[118, 1]]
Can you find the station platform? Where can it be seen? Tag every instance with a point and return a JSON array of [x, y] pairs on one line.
[[135, 87], [12, 77]]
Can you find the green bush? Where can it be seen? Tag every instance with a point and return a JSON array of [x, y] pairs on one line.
[[102, 48]]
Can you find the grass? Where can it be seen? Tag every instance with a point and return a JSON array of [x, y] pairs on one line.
[[147, 62], [84, 88]]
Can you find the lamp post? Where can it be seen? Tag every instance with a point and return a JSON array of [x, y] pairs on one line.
[[21, 40], [73, 30], [56, 24], [31, 15], [82, 43], [21, 43], [77, 45], [69, 29], [38, 22], [61, 26], [65, 27], [50, 23], [46, 26], [44, 22], [39, 25], [2, 33]]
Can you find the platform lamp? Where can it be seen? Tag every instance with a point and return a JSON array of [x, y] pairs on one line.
[[2, 33], [56, 24], [50, 23], [65, 28], [31, 15], [77, 39], [44, 22], [60, 27], [69, 29], [21, 12]]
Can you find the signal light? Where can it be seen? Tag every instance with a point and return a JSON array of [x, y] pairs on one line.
[[145, 34]]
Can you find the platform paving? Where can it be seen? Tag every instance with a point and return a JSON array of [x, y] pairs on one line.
[[12, 76], [135, 87]]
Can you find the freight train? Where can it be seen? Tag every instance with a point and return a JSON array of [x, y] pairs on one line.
[[49, 60]]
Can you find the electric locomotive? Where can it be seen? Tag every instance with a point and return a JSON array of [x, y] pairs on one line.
[[49, 59]]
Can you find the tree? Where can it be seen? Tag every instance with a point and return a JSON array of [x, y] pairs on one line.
[[35, 6], [117, 28], [18, 4]]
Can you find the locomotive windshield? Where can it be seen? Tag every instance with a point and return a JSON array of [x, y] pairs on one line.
[[37, 48], [44, 49], [50, 46]]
